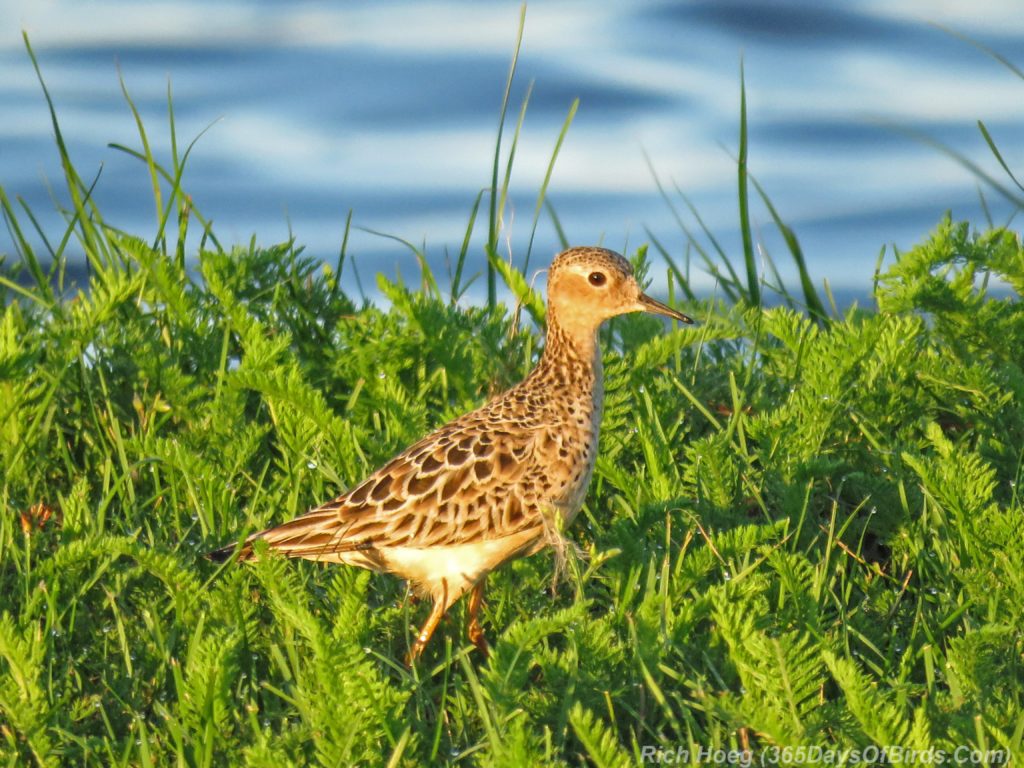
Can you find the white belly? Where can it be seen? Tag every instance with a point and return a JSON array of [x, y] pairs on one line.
[[447, 572]]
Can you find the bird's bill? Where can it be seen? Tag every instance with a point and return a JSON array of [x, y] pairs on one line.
[[647, 304]]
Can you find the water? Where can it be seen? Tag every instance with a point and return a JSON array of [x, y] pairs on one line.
[[390, 109]]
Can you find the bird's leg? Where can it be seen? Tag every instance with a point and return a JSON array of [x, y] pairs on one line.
[[476, 634], [440, 605]]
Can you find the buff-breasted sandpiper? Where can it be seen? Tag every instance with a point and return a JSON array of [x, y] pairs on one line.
[[498, 483]]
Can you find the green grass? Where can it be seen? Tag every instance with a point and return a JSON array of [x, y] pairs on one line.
[[804, 529]]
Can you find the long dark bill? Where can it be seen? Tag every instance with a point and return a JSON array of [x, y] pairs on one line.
[[655, 306]]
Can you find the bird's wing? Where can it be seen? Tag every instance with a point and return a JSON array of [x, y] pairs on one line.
[[459, 485]]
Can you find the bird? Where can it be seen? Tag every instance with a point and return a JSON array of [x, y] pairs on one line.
[[497, 483]]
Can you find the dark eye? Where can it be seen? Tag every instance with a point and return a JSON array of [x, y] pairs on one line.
[[597, 278]]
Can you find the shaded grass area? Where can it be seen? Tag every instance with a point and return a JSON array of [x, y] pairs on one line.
[[803, 531]]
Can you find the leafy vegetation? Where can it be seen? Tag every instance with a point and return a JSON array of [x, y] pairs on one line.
[[804, 528]]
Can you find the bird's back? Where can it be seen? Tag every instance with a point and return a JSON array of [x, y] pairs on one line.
[[499, 472]]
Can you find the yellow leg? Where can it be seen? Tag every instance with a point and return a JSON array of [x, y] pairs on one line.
[[476, 634], [440, 605]]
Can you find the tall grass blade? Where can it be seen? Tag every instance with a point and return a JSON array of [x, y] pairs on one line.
[[339, 265], [429, 283], [147, 152], [975, 169], [492, 230], [753, 282], [983, 48], [92, 239], [732, 285], [563, 241], [506, 181], [460, 263], [176, 196], [36, 226], [25, 251], [674, 269], [998, 155], [547, 179], [811, 299]]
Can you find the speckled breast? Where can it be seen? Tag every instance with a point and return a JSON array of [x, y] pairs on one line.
[[577, 440]]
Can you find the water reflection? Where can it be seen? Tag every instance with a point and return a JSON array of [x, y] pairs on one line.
[[391, 108]]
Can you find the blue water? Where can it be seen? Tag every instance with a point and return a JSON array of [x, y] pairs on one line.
[[390, 109]]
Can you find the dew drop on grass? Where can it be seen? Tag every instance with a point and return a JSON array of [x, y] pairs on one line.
[[382, 375], [727, 575], [311, 464]]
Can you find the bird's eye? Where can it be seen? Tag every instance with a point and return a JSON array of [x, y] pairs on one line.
[[597, 278]]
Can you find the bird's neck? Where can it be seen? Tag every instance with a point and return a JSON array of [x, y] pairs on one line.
[[571, 357]]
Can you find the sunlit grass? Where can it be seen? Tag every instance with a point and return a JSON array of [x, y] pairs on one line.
[[803, 530]]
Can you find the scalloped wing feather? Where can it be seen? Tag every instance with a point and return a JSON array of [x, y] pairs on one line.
[[456, 486]]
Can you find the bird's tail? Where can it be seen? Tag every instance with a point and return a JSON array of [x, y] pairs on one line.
[[316, 535], [224, 554]]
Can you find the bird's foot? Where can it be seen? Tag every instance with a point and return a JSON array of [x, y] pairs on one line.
[[476, 637]]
